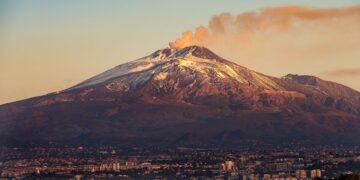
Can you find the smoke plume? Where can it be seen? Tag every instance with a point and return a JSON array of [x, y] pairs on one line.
[[281, 40], [229, 29]]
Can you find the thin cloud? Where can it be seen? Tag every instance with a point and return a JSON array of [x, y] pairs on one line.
[[344, 72]]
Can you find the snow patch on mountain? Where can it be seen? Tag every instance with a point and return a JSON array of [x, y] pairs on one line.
[[161, 76], [158, 64], [141, 68]]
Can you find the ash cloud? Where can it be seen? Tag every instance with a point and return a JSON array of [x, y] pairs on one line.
[[251, 27]]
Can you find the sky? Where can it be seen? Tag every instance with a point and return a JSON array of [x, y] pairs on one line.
[[47, 46]]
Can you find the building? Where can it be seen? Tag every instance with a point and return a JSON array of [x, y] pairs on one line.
[[228, 166], [301, 174], [274, 167], [116, 166], [267, 177], [315, 173]]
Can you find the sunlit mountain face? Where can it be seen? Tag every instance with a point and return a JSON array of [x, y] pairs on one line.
[[186, 96]]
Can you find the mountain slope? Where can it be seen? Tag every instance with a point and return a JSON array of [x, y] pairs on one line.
[[186, 96], [193, 60]]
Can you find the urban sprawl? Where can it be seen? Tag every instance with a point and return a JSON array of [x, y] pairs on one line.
[[180, 163]]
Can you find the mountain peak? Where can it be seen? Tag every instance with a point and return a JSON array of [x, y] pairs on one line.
[[194, 61], [201, 52], [197, 51]]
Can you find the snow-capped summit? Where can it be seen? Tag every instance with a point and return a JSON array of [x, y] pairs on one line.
[[197, 51], [199, 62]]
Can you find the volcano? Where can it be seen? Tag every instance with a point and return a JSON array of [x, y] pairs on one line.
[[188, 96]]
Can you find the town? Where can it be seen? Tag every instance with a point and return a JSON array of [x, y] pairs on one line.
[[323, 162]]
